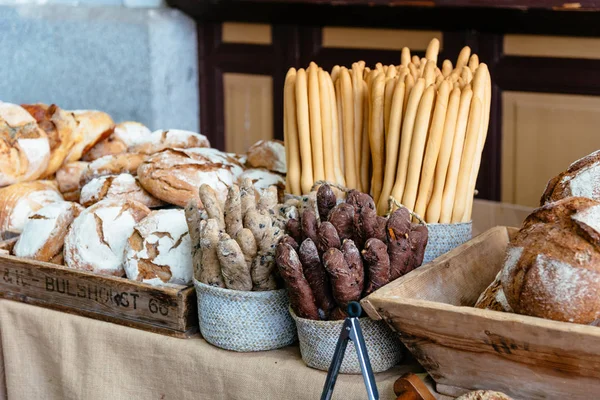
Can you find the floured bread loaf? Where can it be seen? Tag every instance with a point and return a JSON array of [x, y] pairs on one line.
[[60, 127], [96, 239], [92, 126], [159, 250], [581, 179], [19, 201], [262, 179], [269, 154], [24, 147], [169, 139], [493, 297], [125, 135], [112, 165], [118, 187], [484, 395], [552, 266], [44, 232], [174, 176], [68, 177]]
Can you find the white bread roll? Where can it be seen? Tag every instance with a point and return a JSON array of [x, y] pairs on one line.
[[118, 187], [96, 239], [159, 250], [44, 232], [168, 139], [92, 126], [125, 135]]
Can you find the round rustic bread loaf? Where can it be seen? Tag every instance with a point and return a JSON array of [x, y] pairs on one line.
[[43, 235], [114, 164], [269, 154], [174, 175], [484, 395], [159, 250], [92, 126], [126, 134], [493, 297], [581, 179], [118, 187], [24, 147], [68, 178], [97, 237], [552, 266], [19, 201], [169, 139]]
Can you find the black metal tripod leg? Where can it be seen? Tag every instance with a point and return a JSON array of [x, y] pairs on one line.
[[336, 363], [363, 359]]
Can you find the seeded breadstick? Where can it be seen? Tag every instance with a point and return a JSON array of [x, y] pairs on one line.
[[432, 150], [267, 200], [417, 147], [434, 207], [348, 128], [247, 243], [391, 147], [335, 73], [432, 50], [316, 129], [358, 97], [390, 84], [194, 221], [408, 125], [376, 136], [326, 123], [210, 270], [473, 63], [365, 157], [233, 211], [335, 136], [405, 56], [247, 197], [463, 58], [307, 178], [211, 204], [291, 135], [446, 68]]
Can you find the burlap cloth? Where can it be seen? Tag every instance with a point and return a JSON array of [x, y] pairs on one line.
[[52, 355]]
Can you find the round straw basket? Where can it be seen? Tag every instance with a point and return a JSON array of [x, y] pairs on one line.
[[445, 237], [319, 338], [244, 321]]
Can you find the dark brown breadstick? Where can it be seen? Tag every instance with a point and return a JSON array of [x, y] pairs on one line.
[[379, 229], [337, 314], [328, 237], [343, 284], [316, 276], [365, 216], [301, 296], [398, 228], [325, 201], [342, 218], [417, 237], [287, 239], [378, 262], [355, 262], [293, 228], [309, 225]]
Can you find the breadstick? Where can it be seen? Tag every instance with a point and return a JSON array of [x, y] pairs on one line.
[[366, 72], [390, 84], [348, 128], [326, 122], [307, 179], [422, 67], [408, 124], [432, 50], [358, 96], [335, 134], [385, 69], [441, 168], [391, 147], [361, 64], [417, 147], [473, 62], [379, 66], [456, 155], [439, 80], [416, 60], [316, 129], [463, 58], [335, 71], [413, 71], [429, 73], [291, 134], [466, 75], [376, 136], [365, 157], [405, 57], [446, 68], [409, 83], [340, 116], [391, 72], [432, 150]]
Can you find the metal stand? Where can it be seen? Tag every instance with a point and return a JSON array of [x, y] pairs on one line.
[[351, 331]]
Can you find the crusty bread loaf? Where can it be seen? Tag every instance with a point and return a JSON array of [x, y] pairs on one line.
[[484, 395], [61, 128], [159, 250], [68, 177], [174, 176], [44, 232], [97, 237], [262, 178], [125, 135], [581, 179], [269, 154], [19, 201], [552, 266], [92, 126], [118, 187], [24, 147], [124, 163], [493, 297], [169, 139]]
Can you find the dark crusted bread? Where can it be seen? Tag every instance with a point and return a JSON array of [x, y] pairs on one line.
[[582, 179]]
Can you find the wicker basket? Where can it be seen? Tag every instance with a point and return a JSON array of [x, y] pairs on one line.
[[244, 321], [445, 237], [319, 338]]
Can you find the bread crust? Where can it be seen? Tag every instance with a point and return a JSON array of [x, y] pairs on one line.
[[581, 179], [169, 139], [119, 187], [92, 126], [269, 154], [112, 165], [125, 135]]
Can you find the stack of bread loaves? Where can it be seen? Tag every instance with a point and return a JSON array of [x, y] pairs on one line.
[[412, 131], [78, 189]]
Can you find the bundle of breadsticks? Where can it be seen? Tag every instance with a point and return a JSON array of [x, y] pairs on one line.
[[412, 131]]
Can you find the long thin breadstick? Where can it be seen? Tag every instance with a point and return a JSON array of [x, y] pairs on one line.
[[348, 128], [439, 80], [473, 63], [429, 73], [358, 95], [446, 68], [335, 73], [376, 136], [379, 66], [408, 124], [391, 147], [365, 156], [286, 140], [366, 72], [416, 60], [340, 114], [409, 83], [466, 163], [417, 147], [434, 207], [391, 72], [335, 134], [466, 75], [291, 134], [463, 58], [414, 71], [307, 178], [405, 56], [361, 64], [390, 84], [432, 149], [316, 129], [432, 50], [422, 67], [326, 122]]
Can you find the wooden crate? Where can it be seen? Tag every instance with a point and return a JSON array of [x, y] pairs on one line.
[[464, 348], [170, 310]]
